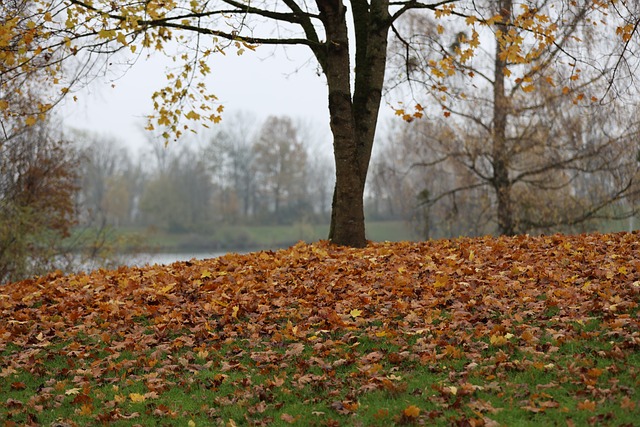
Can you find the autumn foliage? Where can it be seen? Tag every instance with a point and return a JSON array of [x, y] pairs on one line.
[[345, 322]]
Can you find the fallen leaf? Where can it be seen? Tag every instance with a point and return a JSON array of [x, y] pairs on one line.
[[288, 418], [586, 405], [137, 397], [411, 411]]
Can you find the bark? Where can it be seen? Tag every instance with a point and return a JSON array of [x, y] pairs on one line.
[[500, 180], [353, 114]]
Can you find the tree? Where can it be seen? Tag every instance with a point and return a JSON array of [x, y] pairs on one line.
[[110, 184], [86, 30], [38, 183], [425, 184], [179, 198], [520, 125], [280, 164], [230, 159], [38, 166]]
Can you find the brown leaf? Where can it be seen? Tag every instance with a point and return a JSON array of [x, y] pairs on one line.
[[18, 385], [290, 419]]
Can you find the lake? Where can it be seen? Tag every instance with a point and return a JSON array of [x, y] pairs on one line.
[[142, 259]]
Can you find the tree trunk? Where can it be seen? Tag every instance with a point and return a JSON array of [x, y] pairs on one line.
[[353, 119], [501, 182]]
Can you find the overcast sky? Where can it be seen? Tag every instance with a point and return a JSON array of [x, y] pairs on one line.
[[265, 82]]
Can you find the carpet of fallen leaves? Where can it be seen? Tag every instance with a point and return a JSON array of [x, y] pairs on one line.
[[479, 300]]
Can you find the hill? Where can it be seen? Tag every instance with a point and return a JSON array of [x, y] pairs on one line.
[[489, 331]]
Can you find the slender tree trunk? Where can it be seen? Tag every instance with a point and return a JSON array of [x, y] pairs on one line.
[[353, 119], [501, 182]]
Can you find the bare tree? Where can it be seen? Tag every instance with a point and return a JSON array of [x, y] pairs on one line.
[[280, 164], [520, 126], [111, 182], [230, 158], [180, 198]]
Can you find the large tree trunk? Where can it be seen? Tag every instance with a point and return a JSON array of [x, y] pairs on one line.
[[501, 182], [353, 117]]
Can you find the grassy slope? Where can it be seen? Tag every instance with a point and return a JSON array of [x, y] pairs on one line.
[[506, 331], [241, 237]]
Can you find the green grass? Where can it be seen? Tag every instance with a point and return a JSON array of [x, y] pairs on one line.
[[359, 380]]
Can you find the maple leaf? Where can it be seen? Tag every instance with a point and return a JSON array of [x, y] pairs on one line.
[[411, 411], [137, 397], [18, 385], [441, 281], [295, 349], [587, 405], [86, 410], [355, 313], [289, 419]]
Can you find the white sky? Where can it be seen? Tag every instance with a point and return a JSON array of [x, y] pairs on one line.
[[265, 82]]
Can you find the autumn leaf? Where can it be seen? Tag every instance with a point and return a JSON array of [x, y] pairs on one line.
[[86, 410], [295, 349], [411, 411], [289, 419], [441, 281], [628, 404], [355, 313], [137, 397], [587, 405], [500, 340]]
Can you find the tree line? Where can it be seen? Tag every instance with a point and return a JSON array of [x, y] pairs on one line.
[[238, 174]]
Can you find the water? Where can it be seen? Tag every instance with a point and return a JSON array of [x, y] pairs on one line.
[[143, 259]]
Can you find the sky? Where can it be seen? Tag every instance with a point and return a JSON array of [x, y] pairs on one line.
[[265, 82]]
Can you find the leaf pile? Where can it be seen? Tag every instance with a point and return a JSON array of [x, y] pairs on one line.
[[327, 327]]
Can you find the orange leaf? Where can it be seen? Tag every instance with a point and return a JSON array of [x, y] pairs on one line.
[[587, 405], [411, 411]]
